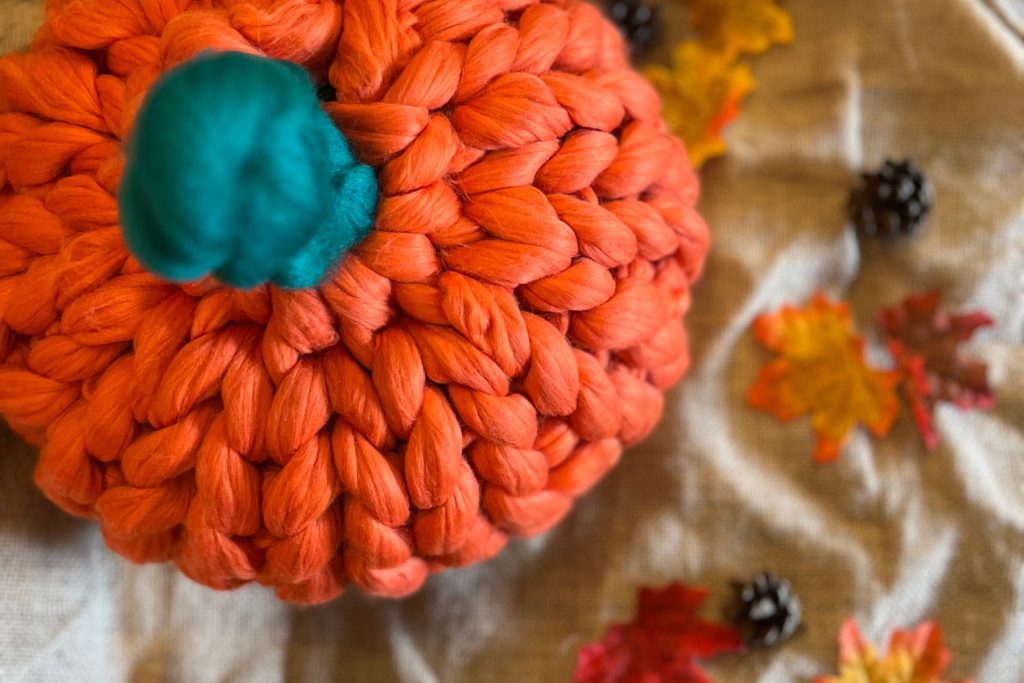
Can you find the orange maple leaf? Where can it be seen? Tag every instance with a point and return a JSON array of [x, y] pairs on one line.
[[821, 371], [741, 26], [707, 80], [701, 94], [916, 656]]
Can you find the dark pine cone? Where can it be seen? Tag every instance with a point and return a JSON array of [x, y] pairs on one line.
[[766, 611], [891, 203], [637, 20]]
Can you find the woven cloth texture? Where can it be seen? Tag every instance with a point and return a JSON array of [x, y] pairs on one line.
[[888, 533]]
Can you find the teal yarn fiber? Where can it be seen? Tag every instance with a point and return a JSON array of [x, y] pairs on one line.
[[234, 169]]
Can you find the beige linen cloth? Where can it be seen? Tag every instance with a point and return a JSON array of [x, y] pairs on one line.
[[889, 533]]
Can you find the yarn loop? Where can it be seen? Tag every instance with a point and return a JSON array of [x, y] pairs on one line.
[[234, 169]]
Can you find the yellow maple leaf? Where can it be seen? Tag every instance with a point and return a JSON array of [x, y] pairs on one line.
[[701, 94], [821, 371], [741, 26], [916, 656]]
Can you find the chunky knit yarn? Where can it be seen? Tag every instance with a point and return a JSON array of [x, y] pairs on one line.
[[478, 361]]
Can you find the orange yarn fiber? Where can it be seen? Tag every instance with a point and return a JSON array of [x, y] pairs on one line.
[[479, 361]]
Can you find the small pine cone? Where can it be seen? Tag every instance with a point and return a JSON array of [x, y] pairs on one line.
[[638, 22], [891, 203], [766, 611]]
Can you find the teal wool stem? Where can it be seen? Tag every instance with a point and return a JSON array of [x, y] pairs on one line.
[[234, 169]]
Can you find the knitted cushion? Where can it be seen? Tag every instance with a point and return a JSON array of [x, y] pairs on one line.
[[462, 375]]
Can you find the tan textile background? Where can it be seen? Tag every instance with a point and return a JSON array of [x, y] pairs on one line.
[[888, 533]]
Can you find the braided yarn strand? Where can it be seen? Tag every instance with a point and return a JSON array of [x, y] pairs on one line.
[[475, 364]]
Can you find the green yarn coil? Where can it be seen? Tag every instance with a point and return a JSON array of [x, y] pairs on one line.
[[234, 169]]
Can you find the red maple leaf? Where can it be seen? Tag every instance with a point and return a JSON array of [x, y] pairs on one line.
[[925, 341], [661, 645]]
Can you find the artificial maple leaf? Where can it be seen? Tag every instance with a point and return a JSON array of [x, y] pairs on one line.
[[741, 26], [915, 656], [925, 340], [701, 95], [661, 645], [821, 372]]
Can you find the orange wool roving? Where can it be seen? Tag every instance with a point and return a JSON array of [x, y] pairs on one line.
[[474, 364]]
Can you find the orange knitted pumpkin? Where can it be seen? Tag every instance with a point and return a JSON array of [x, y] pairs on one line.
[[465, 372]]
